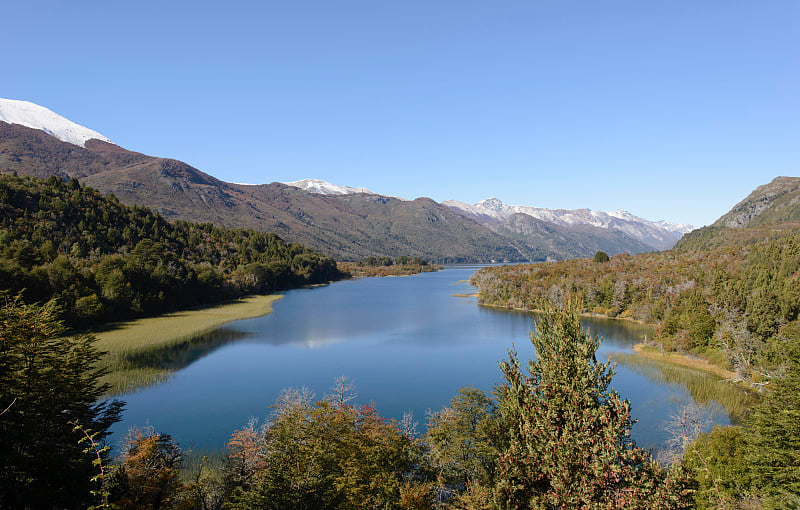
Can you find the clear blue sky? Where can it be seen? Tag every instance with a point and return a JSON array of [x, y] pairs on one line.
[[669, 109]]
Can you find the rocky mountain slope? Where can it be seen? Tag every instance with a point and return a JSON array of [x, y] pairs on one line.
[[775, 202], [343, 222], [769, 211]]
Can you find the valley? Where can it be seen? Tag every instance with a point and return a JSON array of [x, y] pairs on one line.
[[177, 272]]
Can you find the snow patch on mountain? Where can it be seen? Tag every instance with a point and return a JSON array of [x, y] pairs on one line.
[[683, 228], [326, 188], [658, 234], [34, 116]]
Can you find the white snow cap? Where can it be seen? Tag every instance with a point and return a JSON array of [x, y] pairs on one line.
[[654, 233], [34, 116], [325, 188]]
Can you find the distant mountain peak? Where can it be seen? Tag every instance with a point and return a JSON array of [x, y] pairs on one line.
[[326, 188], [34, 116], [492, 203], [658, 234]]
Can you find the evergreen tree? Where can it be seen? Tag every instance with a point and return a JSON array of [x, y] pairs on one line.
[[601, 257], [773, 439], [565, 436], [48, 385]]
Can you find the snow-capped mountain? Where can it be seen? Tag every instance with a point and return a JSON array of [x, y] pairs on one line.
[[660, 235], [326, 188], [488, 230], [683, 228], [38, 117]]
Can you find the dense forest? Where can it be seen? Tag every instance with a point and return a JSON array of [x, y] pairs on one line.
[[100, 260], [731, 295]]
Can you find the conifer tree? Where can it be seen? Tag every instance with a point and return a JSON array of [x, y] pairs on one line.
[[565, 440], [48, 386], [773, 438]]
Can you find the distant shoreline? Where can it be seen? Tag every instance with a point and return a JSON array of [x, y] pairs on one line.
[[651, 352], [357, 271]]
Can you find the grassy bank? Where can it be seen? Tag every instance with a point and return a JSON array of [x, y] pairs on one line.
[[144, 351], [653, 352], [685, 360], [704, 386]]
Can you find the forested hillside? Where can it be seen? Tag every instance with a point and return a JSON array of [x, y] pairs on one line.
[[732, 300], [100, 260], [730, 291]]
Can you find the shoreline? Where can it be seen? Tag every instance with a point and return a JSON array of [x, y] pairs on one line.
[[592, 315], [125, 340], [356, 271], [682, 359], [650, 352], [170, 328]]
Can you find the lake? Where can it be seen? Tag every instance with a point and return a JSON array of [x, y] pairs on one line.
[[408, 344]]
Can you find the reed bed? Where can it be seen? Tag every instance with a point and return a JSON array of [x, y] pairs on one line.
[[145, 351], [704, 387]]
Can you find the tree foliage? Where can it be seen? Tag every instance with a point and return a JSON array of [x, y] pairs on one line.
[[148, 475], [565, 436], [100, 260], [461, 440], [48, 386], [758, 461], [324, 455], [773, 438]]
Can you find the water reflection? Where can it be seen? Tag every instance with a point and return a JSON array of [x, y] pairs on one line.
[[143, 368], [706, 389], [407, 343], [182, 354]]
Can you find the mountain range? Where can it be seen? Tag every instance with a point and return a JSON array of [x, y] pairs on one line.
[[344, 222]]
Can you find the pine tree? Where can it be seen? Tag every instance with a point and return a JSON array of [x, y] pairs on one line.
[[565, 440]]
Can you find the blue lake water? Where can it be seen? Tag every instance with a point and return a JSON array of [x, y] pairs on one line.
[[407, 343]]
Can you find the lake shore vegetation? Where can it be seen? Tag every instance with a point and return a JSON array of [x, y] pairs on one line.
[[728, 299], [520, 447], [386, 266], [101, 261], [728, 296], [137, 352]]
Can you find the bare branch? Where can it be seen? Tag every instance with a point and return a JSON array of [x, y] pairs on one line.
[[9, 407]]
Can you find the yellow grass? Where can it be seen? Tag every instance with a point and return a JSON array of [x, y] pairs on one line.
[[704, 386], [161, 331], [125, 341], [684, 360]]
